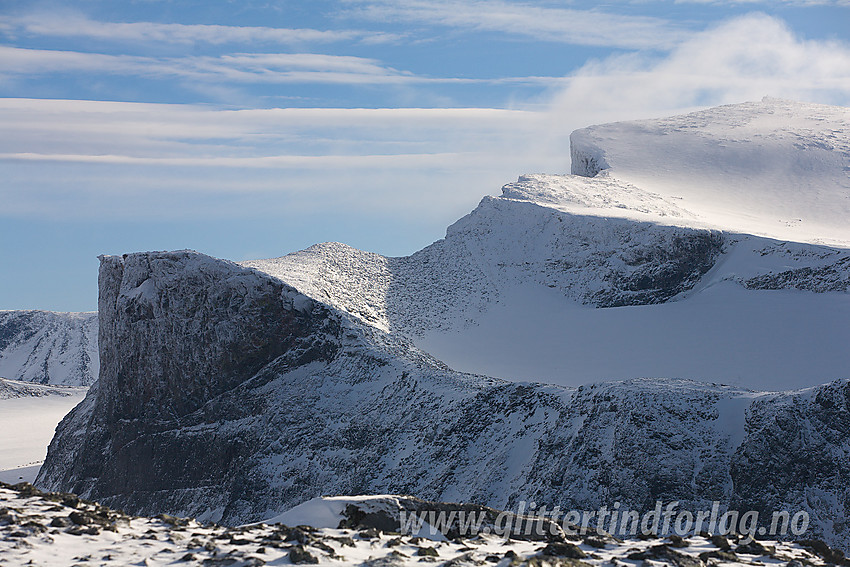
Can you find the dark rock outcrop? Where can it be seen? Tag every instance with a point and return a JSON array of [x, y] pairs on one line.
[[832, 277]]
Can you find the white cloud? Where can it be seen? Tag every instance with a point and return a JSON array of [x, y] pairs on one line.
[[564, 25], [742, 59]]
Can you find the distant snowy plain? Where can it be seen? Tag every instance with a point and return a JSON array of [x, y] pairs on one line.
[[28, 417]]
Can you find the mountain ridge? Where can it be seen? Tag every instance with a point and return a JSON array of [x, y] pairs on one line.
[[314, 419], [630, 242], [532, 259], [48, 347], [232, 392]]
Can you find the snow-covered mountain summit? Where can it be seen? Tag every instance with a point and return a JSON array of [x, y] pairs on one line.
[[772, 168], [512, 289]]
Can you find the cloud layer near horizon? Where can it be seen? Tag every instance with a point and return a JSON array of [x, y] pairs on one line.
[[239, 162], [63, 157]]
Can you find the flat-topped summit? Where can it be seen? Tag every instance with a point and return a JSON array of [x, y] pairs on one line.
[[773, 168]]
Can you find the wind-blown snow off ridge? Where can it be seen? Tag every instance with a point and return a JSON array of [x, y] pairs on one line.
[[773, 168]]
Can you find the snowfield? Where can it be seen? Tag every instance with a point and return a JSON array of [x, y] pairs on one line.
[[766, 340], [28, 417]]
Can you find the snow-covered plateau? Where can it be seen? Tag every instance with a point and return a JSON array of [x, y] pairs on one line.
[[774, 168], [668, 323]]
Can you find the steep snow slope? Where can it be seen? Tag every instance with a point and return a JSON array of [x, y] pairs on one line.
[[49, 348], [226, 394], [773, 168]]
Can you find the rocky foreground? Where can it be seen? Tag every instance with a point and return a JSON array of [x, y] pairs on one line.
[[40, 528]]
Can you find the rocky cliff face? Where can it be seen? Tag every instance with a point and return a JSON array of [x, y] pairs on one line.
[[226, 394], [795, 456], [49, 348], [179, 317]]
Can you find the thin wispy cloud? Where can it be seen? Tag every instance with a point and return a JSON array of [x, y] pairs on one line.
[[79, 26], [235, 68], [305, 158], [240, 67], [38, 129], [299, 162], [536, 22]]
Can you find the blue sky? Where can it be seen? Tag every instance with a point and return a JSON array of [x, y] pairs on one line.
[[252, 129]]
